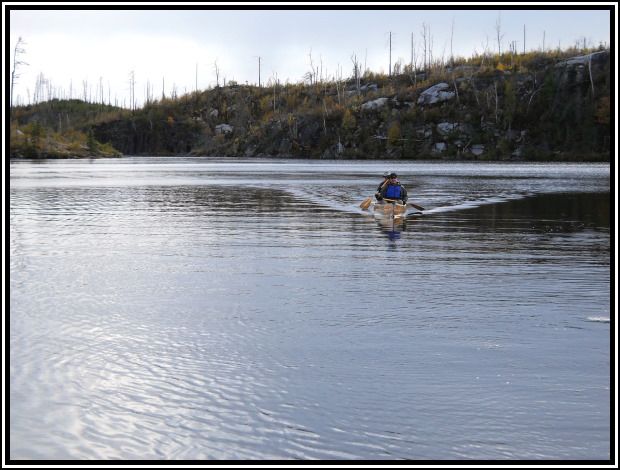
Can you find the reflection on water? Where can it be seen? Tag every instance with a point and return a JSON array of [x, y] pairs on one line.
[[391, 226], [200, 309]]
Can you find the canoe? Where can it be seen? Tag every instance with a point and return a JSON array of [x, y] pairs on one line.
[[389, 209]]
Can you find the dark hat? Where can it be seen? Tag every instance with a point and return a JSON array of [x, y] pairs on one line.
[[393, 175]]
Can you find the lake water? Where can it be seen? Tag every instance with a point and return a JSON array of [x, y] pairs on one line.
[[188, 308]]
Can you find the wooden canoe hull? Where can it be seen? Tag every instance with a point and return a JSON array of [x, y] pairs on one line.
[[395, 210]]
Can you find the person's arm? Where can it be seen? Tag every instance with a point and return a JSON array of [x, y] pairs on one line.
[[403, 194]]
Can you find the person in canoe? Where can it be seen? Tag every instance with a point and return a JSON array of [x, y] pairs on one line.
[[386, 178], [394, 190]]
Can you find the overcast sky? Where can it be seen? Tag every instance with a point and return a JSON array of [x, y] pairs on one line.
[[165, 47]]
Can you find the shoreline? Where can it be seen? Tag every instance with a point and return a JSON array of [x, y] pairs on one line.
[[506, 161], [591, 159]]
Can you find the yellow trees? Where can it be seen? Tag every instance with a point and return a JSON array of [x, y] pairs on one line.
[[348, 120]]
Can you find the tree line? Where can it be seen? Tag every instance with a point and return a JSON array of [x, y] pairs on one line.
[[423, 59], [496, 96]]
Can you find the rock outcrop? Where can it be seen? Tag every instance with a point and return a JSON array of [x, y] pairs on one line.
[[223, 129], [374, 104], [436, 94]]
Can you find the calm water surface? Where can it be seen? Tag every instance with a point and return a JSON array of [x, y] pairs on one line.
[[171, 308]]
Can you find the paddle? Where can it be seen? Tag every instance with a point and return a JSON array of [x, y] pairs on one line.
[[415, 206], [366, 203]]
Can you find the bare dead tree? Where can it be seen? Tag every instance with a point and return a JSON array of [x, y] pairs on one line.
[[342, 86], [390, 69], [42, 83], [430, 48], [523, 39], [35, 96], [48, 90], [275, 84], [148, 92], [413, 65], [18, 51], [411, 58], [312, 74], [442, 63], [425, 45], [356, 72], [485, 51], [499, 35], [451, 42], [337, 81], [132, 88]]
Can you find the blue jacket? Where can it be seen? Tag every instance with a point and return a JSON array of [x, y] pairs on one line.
[[394, 191]]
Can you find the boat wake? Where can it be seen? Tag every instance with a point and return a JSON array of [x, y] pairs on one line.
[[338, 199], [598, 319], [475, 203], [345, 200]]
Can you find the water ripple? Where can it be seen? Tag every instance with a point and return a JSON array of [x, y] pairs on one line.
[[159, 312]]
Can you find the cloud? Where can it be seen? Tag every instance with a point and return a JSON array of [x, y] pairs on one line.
[[67, 62]]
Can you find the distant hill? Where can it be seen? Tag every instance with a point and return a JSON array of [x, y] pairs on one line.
[[60, 129], [552, 106]]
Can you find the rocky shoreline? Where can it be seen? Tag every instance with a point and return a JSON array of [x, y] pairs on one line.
[[538, 108]]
